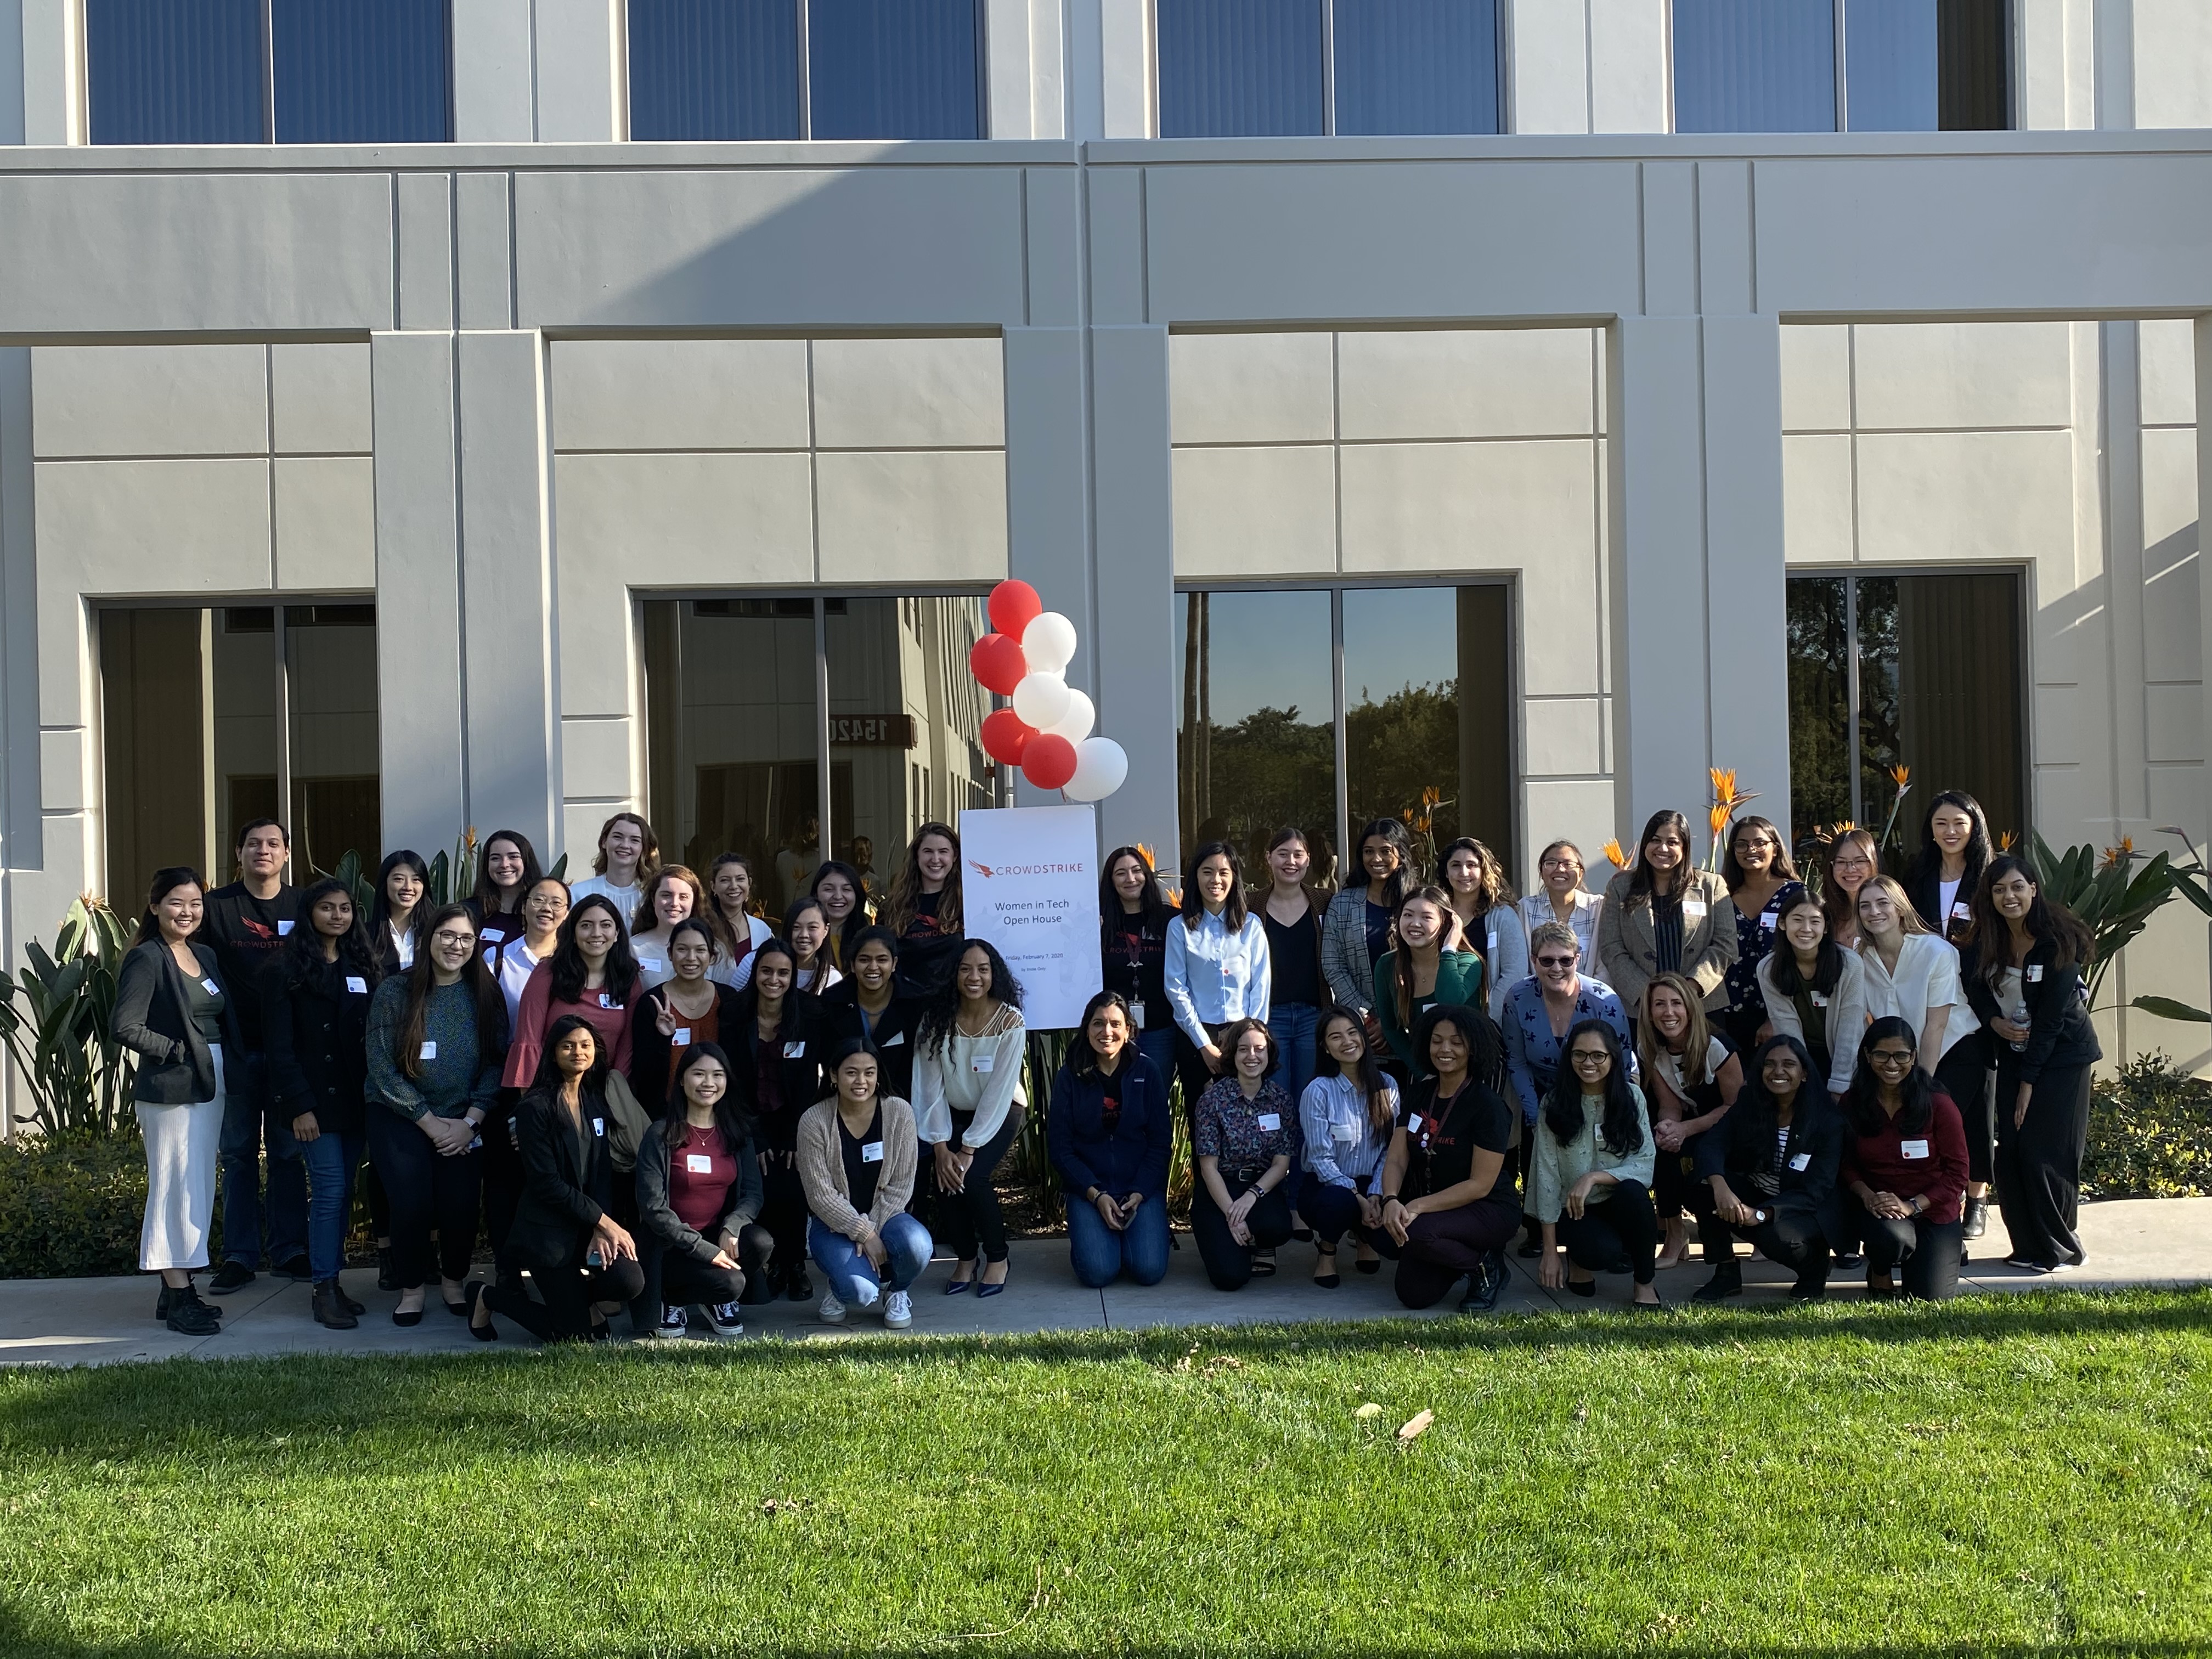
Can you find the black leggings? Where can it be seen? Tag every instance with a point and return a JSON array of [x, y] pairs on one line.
[[1964, 1074], [1622, 1226], [569, 1291], [1792, 1236], [502, 1181], [1929, 1251], [971, 1216], [1191, 1068], [676, 1279], [1441, 1247], [783, 1217], [427, 1190], [1333, 1212], [1228, 1263]]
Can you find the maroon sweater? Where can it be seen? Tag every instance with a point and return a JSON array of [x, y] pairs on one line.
[[1880, 1161]]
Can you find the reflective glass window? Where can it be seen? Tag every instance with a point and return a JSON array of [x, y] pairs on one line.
[[893, 68], [1240, 68], [1416, 65], [361, 72], [174, 71], [1754, 66], [713, 69]]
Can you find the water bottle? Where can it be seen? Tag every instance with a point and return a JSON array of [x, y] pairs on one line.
[[2023, 1022]]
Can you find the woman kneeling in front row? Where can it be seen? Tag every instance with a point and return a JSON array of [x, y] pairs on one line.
[[1110, 1132], [1771, 1164], [1449, 1198], [857, 1150], [1590, 1179], [699, 1195], [1244, 1145], [1904, 1168]]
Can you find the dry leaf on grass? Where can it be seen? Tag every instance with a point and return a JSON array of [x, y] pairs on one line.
[[1417, 1426], [1371, 1409]]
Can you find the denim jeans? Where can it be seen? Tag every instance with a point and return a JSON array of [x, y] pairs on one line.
[[1101, 1256], [1292, 1024], [251, 1119], [906, 1242], [331, 1161], [1158, 1044]]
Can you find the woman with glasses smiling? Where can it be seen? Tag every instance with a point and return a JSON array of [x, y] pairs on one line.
[[1904, 1168], [1592, 1173], [1853, 860], [1563, 899]]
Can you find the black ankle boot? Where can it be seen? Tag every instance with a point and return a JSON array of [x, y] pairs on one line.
[[1974, 1218], [1727, 1281], [329, 1307]]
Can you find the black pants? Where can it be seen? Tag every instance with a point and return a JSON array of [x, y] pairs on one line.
[[1622, 1226], [971, 1218], [1228, 1263], [1191, 1069], [1333, 1212], [1792, 1234], [2038, 1163], [1443, 1247], [1929, 1251], [783, 1217], [1964, 1074], [678, 1280], [427, 1190], [1675, 1183], [569, 1291], [502, 1181]]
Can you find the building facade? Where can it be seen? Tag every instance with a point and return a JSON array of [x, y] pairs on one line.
[[609, 429]]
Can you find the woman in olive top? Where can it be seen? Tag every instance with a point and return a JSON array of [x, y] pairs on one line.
[[1109, 1133], [1345, 1120], [2025, 982], [1853, 859], [1663, 916], [1772, 1166], [591, 974], [1244, 1147], [1133, 915], [777, 1049], [857, 1158], [924, 910], [807, 929], [1357, 929], [1693, 1076], [1904, 1168], [677, 1014], [1215, 967], [1296, 990], [699, 1195], [436, 1036], [673, 894], [171, 1010], [506, 872], [1589, 1184], [730, 913], [1490, 920], [1450, 1197], [1758, 870], [1954, 849], [582, 1261], [1815, 990], [1425, 966], [399, 917], [315, 1015], [969, 1103], [869, 1005]]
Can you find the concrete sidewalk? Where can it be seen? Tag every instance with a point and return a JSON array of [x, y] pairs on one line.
[[66, 1321]]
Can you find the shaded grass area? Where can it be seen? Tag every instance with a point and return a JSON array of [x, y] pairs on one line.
[[2028, 1474]]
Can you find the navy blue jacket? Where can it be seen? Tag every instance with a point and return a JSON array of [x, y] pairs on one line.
[[1131, 1159]]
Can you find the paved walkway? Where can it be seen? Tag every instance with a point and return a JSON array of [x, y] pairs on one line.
[[2131, 1243]]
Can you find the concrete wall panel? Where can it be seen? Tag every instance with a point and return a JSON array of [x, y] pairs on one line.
[[913, 516], [2168, 354], [2173, 648], [1963, 374], [1966, 495], [901, 394], [2176, 723], [493, 100], [1564, 735], [2172, 63], [1251, 388], [580, 94], [149, 400], [1470, 506], [679, 522], [1816, 498], [319, 399], [1548, 70], [679, 394], [1267, 511], [1629, 83], [156, 527], [326, 525], [1816, 378], [1466, 383]]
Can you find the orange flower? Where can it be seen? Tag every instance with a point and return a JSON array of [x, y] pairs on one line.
[[2005, 840], [1724, 785], [1144, 852], [469, 838], [1718, 819], [1901, 774], [1612, 850], [2119, 855]]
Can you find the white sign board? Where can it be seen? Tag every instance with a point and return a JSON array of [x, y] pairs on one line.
[[1031, 888]]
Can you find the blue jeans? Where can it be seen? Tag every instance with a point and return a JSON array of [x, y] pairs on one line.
[[252, 1120], [332, 1161], [1158, 1044], [1292, 1024], [906, 1242], [1101, 1256]]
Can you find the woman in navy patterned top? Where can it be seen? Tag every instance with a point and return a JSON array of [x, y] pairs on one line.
[[1760, 875], [1246, 1144]]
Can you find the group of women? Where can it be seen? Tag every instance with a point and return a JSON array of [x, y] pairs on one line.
[[646, 1098]]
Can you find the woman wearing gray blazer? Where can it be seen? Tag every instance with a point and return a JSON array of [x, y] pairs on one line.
[[1355, 931], [173, 1011], [1663, 916]]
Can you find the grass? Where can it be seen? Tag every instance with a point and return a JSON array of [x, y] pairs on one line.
[[2021, 1473]]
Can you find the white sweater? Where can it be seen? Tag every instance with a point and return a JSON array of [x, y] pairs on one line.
[[982, 1075]]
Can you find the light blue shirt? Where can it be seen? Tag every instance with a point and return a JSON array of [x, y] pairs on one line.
[[1214, 976], [1343, 1147]]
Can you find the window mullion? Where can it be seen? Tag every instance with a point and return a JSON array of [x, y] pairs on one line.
[[1328, 67], [1343, 745], [805, 81]]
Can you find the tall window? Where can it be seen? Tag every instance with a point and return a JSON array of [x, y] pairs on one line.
[[1899, 65], [1280, 68], [730, 69], [213, 718], [1326, 709], [745, 697], [248, 71], [1918, 672]]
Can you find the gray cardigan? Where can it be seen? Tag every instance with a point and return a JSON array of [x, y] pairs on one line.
[[175, 1066], [1344, 962]]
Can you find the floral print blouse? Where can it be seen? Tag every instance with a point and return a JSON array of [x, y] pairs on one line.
[[1245, 1135]]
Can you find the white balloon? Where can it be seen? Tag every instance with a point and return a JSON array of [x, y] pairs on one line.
[[1101, 767], [1048, 643], [1075, 724], [1041, 699]]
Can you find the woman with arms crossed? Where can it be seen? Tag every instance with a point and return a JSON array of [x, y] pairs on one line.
[[924, 909], [969, 1107], [1694, 1077]]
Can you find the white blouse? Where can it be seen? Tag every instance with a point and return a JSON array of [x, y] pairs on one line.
[[980, 1075], [1926, 977]]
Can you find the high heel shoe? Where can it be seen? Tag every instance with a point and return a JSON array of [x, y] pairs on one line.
[[486, 1332], [1332, 1279]]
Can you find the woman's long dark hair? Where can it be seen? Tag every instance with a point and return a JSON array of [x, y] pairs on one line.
[[1863, 1100], [1810, 1092], [1640, 889], [840, 943], [1393, 832], [748, 1009], [1618, 1130], [1082, 1058], [489, 1000], [731, 1116], [906, 886], [1733, 873], [1927, 863], [1401, 974], [569, 971], [1153, 909], [1367, 1072], [1486, 1054], [943, 1004], [486, 895], [379, 908], [1827, 972], [548, 1077], [2049, 923], [1232, 908], [302, 955], [827, 956], [166, 881]]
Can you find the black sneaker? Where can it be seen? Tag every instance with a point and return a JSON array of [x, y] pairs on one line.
[[231, 1276], [1809, 1288], [1727, 1281], [190, 1316], [798, 1286], [296, 1268]]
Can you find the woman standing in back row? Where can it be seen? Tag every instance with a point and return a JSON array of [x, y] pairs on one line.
[[924, 909], [1133, 916], [628, 858], [1954, 849], [1356, 932], [1490, 920], [1759, 873], [1216, 967], [1663, 916], [1296, 991], [1563, 899]]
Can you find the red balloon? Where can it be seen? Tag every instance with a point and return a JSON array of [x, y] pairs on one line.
[[996, 661], [1014, 606], [1049, 761], [1006, 735]]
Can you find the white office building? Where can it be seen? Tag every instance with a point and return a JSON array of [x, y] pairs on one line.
[[429, 413]]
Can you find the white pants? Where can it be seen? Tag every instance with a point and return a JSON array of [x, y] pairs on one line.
[[184, 1146]]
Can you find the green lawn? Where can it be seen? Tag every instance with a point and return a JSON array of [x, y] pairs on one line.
[[2022, 1474]]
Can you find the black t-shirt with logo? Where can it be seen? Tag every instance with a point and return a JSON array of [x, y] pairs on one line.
[[245, 933], [1442, 1137]]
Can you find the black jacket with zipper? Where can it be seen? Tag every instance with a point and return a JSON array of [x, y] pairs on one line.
[[315, 1026], [568, 1179]]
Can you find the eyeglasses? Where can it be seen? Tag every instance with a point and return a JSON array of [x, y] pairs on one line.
[[1591, 1057], [1886, 1057], [447, 936], [1854, 864], [1555, 962]]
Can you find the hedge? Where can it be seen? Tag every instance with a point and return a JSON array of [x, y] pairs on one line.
[[2150, 1133]]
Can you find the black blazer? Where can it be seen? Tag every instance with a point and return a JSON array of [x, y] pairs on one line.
[[894, 1033], [656, 1216], [653, 1056], [175, 1067], [316, 1026], [798, 1076], [2059, 1034], [567, 1180], [1926, 893], [1741, 1144]]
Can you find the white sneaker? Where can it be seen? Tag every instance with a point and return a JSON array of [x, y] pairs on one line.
[[674, 1321], [898, 1310], [831, 1311], [726, 1318]]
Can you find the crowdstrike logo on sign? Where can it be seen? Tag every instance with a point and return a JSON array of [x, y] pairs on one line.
[[990, 872]]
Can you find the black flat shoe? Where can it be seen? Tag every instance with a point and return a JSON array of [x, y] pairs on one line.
[[1588, 1287], [1727, 1281], [385, 1273], [1375, 1267], [399, 1318], [486, 1332], [459, 1309], [1635, 1306]]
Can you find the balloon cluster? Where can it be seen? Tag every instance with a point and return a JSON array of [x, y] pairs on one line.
[[1048, 731]]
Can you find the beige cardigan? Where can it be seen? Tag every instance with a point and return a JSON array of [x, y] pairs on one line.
[[1628, 955], [822, 1167]]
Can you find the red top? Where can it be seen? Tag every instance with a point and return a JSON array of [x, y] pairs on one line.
[[1933, 1161], [700, 1176], [535, 1014]]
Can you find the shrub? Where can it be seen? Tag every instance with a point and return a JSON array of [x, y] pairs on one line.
[[2150, 1133], [71, 1208]]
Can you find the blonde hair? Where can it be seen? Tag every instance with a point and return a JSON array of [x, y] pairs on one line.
[[1908, 919], [1697, 1035]]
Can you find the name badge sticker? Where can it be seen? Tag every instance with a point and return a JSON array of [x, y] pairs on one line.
[[1693, 909], [984, 1062], [2035, 973], [1413, 1121], [606, 1000], [682, 1039], [1801, 1163], [211, 988], [1766, 922], [598, 1125], [1492, 935], [1346, 1133], [1961, 911], [429, 1050], [493, 935], [871, 1152], [1820, 1000], [698, 1163], [1137, 1016], [651, 964], [283, 929], [357, 985], [795, 1051], [1912, 1148], [1271, 1121]]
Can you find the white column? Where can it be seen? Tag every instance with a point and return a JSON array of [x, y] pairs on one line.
[[52, 45], [492, 97], [581, 92]]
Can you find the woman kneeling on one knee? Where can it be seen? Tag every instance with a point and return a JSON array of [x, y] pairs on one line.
[[857, 1150], [699, 1195], [1903, 1167], [1771, 1165], [1450, 1197], [1346, 1118], [1110, 1132], [1590, 1179], [1245, 1142]]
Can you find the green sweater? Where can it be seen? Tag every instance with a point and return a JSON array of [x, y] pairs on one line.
[[460, 1075], [1459, 980]]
